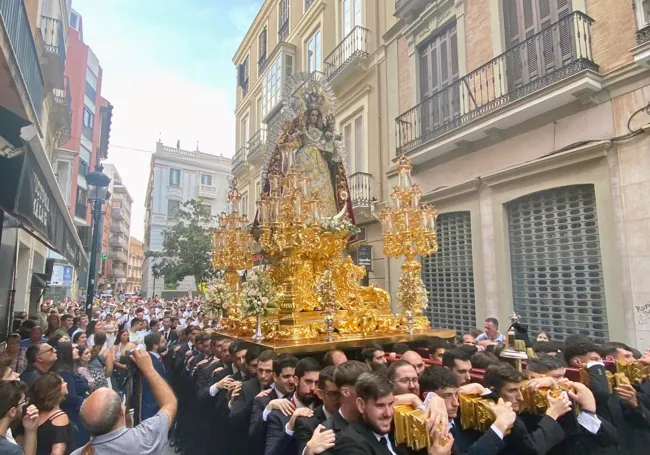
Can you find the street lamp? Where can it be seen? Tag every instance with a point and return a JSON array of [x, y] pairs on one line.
[[98, 181]]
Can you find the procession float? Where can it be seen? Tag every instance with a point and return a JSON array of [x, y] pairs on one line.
[[307, 296]]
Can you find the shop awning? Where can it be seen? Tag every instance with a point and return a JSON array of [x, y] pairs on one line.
[[30, 193]]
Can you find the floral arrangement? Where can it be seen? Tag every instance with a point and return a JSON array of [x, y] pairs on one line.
[[334, 225], [218, 295], [258, 296], [411, 293]]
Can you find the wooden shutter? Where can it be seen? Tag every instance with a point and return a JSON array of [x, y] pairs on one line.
[[438, 72], [544, 53]]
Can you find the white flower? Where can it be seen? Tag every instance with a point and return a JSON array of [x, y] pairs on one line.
[[265, 300], [252, 293]]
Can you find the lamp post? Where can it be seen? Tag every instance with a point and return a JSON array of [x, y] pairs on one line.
[[98, 181]]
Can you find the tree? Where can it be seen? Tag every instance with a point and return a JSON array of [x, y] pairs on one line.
[[187, 248]]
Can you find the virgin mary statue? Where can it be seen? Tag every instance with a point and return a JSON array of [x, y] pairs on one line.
[[309, 121]]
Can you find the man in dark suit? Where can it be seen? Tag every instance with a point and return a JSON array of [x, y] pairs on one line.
[[372, 434], [282, 390], [241, 401], [329, 395], [280, 427], [345, 379], [443, 383], [156, 346], [170, 335], [505, 383]]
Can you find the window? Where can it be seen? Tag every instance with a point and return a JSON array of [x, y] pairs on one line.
[[354, 140], [91, 84], [439, 70], [272, 86], [448, 275], [74, 20], [258, 190], [314, 55], [88, 122], [244, 132], [174, 177], [261, 47], [525, 18], [242, 77], [206, 179], [84, 154], [352, 15], [259, 112], [556, 264], [173, 209], [82, 196], [243, 209], [283, 20], [83, 168], [207, 209]]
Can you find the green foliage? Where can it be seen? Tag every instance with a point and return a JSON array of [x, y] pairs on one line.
[[187, 248]]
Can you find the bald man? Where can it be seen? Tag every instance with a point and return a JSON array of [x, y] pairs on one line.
[[414, 359], [103, 416]]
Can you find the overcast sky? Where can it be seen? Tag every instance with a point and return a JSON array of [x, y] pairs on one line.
[[168, 71]]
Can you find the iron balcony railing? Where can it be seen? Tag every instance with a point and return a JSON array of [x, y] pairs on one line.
[[16, 23], [553, 54], [239, 159], [361, 189], [63, 96], [256, 142], [52, 31], [643, 17], [354, 45]]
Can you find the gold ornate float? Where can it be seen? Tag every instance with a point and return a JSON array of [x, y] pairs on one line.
[[304, 224]]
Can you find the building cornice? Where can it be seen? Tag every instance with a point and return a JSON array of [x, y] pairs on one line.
[[261, 17], [449, 192], [579, 155]]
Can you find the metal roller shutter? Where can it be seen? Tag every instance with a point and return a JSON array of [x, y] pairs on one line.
[[448, 275], [557, 273]]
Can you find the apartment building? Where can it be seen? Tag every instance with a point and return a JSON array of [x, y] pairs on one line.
[[341, 40], [134, 268], [34, 117], [177, 176], [120, 229], [74, 159], [523, 121]]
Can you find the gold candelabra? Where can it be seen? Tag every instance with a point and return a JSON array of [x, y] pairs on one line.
[[409, 230], [232, 244], [292, 238]]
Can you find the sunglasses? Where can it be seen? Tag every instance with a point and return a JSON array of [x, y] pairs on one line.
[[46, 351]]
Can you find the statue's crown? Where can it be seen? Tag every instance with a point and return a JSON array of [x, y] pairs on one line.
[[314, 99]]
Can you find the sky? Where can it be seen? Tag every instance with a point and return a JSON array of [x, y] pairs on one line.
[[168, 72]]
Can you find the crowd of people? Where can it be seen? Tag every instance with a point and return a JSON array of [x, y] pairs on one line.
[[146, 375]]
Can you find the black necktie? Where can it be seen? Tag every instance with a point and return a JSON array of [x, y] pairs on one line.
[[384, 442]]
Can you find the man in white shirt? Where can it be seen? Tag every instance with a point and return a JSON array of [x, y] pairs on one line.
[[82, 326], [491, 333]]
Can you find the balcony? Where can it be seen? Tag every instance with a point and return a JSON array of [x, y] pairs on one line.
[[641, 52], [118, 213], [119, 254], [239, 161], [20, 59], [119, 240], [361, 196], [257, 147], [61, 113], [550, 69], [119, 227], [347, 56], [80, 210], [53, 59], [118, 272], [206, 191], [409, 10]]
